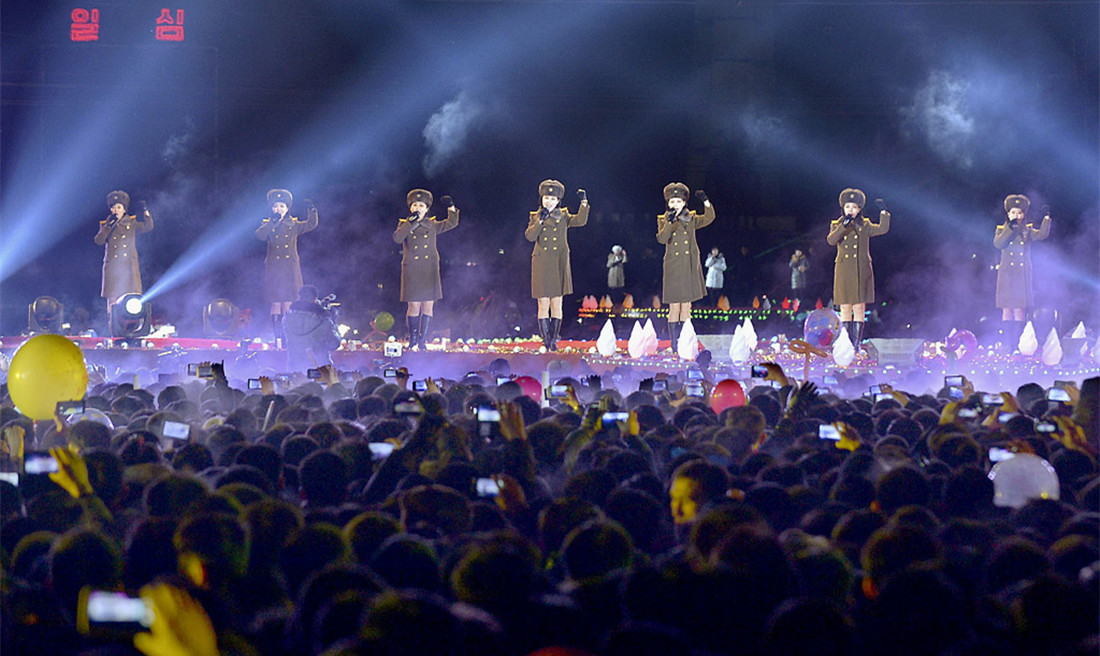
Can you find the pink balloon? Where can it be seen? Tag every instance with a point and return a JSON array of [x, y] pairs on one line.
[[727, 394], [531, 388]]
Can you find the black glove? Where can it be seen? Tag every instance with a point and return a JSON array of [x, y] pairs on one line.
[[670, 215], [144, 211], [543, 214], [847, 221], [448, 202], [1045, 211], [881, 205], [701, 195], [582, 194], [309, 205]]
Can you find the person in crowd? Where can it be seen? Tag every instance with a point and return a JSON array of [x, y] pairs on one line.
[[551, 274], [1014, 273], [716, 275], [118, 233], [421, 286], [616, 271], [683, 274], [853, 275], [325, 516], [310, 329], [282, 265]]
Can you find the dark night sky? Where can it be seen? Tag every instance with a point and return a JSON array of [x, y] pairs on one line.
[[941, 108]]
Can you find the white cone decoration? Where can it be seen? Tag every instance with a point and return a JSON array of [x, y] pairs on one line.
[[843, 351], [1052, 349], [636, 345], [605, 343], [750, 333], [650, 338], [1028, 342], [688, 344], [1079, 331], [739, 350], [1095, 353]]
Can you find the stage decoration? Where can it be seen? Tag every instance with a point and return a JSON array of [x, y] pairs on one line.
[[628, 302], [750, 333], [688, 345], [843, 351], [1028, 343], [45, 370], [1052, 349], [649, 338], [739, 348], [383, 322], [1079, 331], [635, 346], [805, 349], [605, 344], [962, 344], [605, 302]]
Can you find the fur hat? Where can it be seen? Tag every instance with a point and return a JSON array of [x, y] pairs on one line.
[[677, 190], [551, 188], [280, 196], [1017, 200], [421, 195], [116, 197], [850, 195]]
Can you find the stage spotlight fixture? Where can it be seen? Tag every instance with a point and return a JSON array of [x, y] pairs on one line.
[[45, 315], [220, 319], [131, 317]]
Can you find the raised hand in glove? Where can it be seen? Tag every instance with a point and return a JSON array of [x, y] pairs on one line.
[[582, 194], [701, 195], [310, 206], [447, 201]]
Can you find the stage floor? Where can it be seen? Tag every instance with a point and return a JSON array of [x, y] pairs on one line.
[[988, 368]]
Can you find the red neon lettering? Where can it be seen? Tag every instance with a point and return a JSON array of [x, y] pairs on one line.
[[85, 25], [169, 28]]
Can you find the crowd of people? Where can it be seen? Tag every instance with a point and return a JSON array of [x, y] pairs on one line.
[[352, 515]]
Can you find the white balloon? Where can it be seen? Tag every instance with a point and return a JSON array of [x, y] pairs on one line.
[[1022, 478]]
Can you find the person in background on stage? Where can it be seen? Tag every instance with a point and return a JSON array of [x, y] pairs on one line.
[[616, 274], [551, 275], [683, 271], [853, 275], [310, 329], [716, 277], [282, 266], [121, 272], [420, 282], [1013, 238], [800, 267]]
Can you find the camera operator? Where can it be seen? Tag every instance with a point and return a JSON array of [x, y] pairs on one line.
[[310, 328]]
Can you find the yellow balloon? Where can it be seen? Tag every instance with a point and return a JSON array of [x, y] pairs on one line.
[[46, 369]]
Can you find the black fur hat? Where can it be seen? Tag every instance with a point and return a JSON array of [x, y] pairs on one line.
[[118, 196], [850, 195], [676, 190], [280, 195]]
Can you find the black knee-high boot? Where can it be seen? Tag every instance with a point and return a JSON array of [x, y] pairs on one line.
[[674, 334], [544, 332], [422, 333], [412, 321], [277, 328], [555, 328], [858, 334]]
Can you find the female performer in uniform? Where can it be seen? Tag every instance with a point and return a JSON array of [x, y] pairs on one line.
[[853, 275], [1013, 238], [420, 282], [282, 267], [551, 276], [683, 277], [121, 273]]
